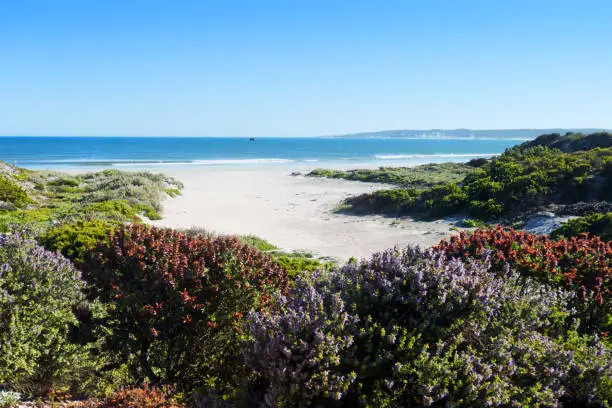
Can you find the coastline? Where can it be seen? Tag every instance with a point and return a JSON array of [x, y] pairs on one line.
[[295, 213]]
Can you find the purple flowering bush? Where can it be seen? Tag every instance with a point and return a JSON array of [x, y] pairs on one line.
[[299, 348], [415, 328], [38, 291]]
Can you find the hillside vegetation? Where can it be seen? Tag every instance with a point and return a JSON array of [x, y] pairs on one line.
[[571, 142], [527, 178]]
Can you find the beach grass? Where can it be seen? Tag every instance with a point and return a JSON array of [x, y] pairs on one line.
[[49, 198]]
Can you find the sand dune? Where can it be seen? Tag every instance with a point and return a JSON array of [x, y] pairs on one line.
[[293, 212]]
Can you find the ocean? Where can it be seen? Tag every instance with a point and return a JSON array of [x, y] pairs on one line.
[[155, 152]]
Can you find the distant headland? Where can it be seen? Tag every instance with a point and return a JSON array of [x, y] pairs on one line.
[[519, 134]]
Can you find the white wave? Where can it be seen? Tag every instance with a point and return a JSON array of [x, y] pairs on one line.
[[431, 156], [242, 161]]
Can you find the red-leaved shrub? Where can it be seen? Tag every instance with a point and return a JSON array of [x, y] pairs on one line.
[[582, 264], [175, 302], [143, 397]]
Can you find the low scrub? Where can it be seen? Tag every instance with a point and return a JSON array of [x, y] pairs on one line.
[[418, 177], [74, 240], [175, 302], [38, 292], [139, 188], [142, 397], [581, 264], [593, 224], [12, 194], [55, 198], [416, 328], [520, 180], [571, 142]]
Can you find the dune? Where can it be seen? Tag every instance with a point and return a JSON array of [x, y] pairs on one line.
[[292, 212]]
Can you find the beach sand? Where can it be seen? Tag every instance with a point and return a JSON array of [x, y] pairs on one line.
[[292, 212]]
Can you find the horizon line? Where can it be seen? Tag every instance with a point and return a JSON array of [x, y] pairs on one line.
[[317, 136]]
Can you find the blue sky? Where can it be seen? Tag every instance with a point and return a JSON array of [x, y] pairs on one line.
[[301, 67]]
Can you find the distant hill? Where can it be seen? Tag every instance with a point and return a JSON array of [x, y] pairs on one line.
[[521, 134]]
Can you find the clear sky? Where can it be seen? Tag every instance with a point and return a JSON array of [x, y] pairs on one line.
[[301, 67]]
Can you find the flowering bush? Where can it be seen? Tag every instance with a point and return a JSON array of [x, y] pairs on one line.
[[416, 328], [38, 291], [582, 264], [144, 397], [299, 348], [175, 302]]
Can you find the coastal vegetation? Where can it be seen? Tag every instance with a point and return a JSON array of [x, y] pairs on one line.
[[99, 308], [524, 179], [582, 264], [419, 177], [46, 199], [216, 322], [572, 141], [593, 224]]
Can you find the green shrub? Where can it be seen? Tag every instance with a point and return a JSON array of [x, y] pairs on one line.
[[571, 142], [20, 218], [12, 193], [147, 211], [9, 399], [111, 209], [173, 192], [594, 224], [257, 242], [64, 181], [389, 202], [38, 292], [519, 180], [295, 264], [74, 240], [472, 223]]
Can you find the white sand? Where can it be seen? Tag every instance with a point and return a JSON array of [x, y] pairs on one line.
[[292, 212]]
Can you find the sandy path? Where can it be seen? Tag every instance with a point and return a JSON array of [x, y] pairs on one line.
[[293, 212]]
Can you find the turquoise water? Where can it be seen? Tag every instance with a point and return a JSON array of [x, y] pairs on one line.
[[142, 152]]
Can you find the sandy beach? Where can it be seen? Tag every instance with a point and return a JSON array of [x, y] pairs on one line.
[[292, 212]]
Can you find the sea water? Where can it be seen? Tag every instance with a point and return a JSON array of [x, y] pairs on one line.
[[155, 152]]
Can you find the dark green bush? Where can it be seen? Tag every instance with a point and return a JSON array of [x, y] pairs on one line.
[[571, 142], [594, 224], [521, 179], [389, 202]]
